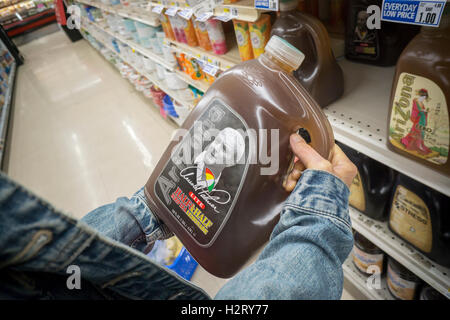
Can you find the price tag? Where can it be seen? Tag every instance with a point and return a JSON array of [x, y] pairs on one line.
[[158, 9], [204, 16], [420, 12], [223, 18], [172, 11], [267, 4], [210, 69], [186, 13]]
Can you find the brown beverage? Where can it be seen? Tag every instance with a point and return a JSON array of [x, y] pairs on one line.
[[224, 211], [419, 104], [319, 74]]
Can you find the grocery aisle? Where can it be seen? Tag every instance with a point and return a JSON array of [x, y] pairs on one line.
[[82, 135]]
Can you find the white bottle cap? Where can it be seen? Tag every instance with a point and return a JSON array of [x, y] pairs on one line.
[[285, 52]]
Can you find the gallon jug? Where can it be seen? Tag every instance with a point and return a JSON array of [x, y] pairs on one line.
[[419, 215], [219, 188], [319, 74], [371, 189], [420, 98], [380, 47]]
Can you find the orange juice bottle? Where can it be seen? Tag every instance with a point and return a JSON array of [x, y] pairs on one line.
[[243, 39], [202, 35], [259, 34], [189, 31], [167, 27]]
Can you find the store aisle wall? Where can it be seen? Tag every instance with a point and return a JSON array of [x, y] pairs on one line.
[[82, 135]]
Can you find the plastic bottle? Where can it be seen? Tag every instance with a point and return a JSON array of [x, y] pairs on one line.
[[259, 34], [224, 215], [189, 32], [367, 257], [242, 32], [419, 215], [401, 282], [371, 189], [167, 27], [202, 35], [216, 35], [380, 47], [420, 98], [320, 74]]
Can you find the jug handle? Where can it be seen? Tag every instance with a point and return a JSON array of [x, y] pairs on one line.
[[320, 39]]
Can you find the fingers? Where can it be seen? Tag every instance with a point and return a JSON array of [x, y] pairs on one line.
[[307, 155], [342, 166], [294, 176]]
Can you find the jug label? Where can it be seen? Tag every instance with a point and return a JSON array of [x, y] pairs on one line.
[[419, 121], [357, 199], [365, 40], [202, 180], [410, 218]]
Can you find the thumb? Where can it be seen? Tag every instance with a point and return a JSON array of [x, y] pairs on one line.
[[306, 154]]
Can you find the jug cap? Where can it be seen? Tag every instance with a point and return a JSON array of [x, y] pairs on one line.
[[285, 52]]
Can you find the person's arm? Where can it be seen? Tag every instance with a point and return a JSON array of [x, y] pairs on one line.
[[129, 221], [304, 257]]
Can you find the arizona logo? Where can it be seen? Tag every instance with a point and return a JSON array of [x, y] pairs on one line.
[[210, 180]]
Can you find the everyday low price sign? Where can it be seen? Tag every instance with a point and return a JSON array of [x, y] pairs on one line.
[[420, 12]]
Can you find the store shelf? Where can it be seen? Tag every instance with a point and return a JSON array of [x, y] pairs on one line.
[[151, 76], [138, 13], [360, 120], [360, 281], [223, 62], [200, 85], [146, 52], [242, 10], [5, 111], [379, 234]]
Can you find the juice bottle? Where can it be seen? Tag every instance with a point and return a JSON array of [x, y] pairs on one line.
[[320, 74], [165, 23], [189, 31], [202, 35], [380, 47], [420, 98], [259, 34], [419, 215], [224, 211], [243, 39], [216, 36], [371, 189]]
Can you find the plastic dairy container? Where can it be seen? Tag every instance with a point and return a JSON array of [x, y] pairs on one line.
[[160, 71], [173, 81]]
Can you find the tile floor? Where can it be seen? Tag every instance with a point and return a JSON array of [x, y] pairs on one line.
[[82, 135]]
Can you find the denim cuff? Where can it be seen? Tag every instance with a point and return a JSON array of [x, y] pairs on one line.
[[321, 193], [153, 227]]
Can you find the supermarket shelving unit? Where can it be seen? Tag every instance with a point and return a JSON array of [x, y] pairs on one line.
[[5, 111], [359, 120]]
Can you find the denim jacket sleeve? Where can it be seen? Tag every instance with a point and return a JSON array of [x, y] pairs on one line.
[[129, 221], [304, 257]]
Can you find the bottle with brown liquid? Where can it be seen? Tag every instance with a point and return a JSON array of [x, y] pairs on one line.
[[319, 74], [420, 98], [380, 47], [419, 215], [371, 189], [215, 188]]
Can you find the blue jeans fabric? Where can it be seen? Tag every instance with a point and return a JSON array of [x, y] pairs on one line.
[[302, 260]]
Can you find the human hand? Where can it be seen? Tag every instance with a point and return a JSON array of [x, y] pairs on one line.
[[308, 158]]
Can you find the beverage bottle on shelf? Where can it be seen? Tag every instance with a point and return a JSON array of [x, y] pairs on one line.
[[401, 283], [380, 47], [189, 31], [418, 122], [242, 32], [320, 74], [216, 36], [371, 189], [202, 35], [167, 27], [209, 188], [259, 34], [419, 215], [367, 257]]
